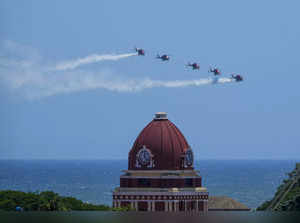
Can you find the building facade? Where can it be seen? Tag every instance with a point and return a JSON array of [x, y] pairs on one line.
[[161, 175]]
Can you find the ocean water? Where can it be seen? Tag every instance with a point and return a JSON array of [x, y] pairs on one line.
[[248, 181]]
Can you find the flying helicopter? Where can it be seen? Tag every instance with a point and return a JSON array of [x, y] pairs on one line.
[[140, 51], [237, 77], [195, 66], [216, 71], [163, 57]]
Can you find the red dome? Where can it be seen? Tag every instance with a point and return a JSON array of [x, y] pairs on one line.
[[165, 145]]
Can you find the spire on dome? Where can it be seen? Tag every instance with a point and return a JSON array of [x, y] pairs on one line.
[[160, 115]]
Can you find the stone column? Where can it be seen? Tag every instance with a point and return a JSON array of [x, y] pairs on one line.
[[197, 208], [170, 206], [185, 205], [205, 206], [132, 205], [148, 205], [136, 206], [166, 206], [153, 205]]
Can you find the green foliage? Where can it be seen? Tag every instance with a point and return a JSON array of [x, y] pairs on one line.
[[288, 201], [291, 205], [44, 201], [264, 206], [292, 194], [127, 208]]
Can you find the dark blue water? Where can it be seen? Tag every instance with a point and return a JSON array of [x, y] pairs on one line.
[[250, 182]]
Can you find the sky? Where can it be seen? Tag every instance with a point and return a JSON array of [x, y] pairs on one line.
[[71, 89]]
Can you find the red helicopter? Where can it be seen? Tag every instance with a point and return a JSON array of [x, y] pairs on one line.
[[163, 57], [216, 71], [140, 51], [237, 77], [195, 66]]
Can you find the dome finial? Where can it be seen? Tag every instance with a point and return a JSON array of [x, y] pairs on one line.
[[160, 115]]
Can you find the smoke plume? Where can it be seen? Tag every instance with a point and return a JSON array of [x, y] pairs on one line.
[[23, 72], [94, 58]]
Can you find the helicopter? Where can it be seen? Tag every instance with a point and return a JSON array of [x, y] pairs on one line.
[[195, 66], [140, 51], [163, 57], [216, 71], [237, 77]]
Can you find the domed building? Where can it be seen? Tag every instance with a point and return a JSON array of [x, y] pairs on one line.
[[161, 175]]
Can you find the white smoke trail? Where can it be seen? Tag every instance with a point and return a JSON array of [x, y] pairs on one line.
[[94, 58], [182, 83], [28, 77]]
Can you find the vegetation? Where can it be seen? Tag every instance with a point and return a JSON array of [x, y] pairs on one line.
[[287, 196], [46, 201]]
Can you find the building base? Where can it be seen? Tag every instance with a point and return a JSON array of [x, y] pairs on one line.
[[168, 200]]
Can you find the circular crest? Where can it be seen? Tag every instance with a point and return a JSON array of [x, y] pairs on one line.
[[144, 156], [189, 157]]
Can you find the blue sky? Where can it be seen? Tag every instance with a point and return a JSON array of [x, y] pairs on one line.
[[65, 115]]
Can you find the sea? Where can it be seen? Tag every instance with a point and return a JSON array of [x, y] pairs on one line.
[[250, 182]]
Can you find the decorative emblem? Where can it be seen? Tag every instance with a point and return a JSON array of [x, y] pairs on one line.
[[189, 157], [144, 158]]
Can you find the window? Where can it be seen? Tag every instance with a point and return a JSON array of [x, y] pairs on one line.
[[188, 182], [144, 182]]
